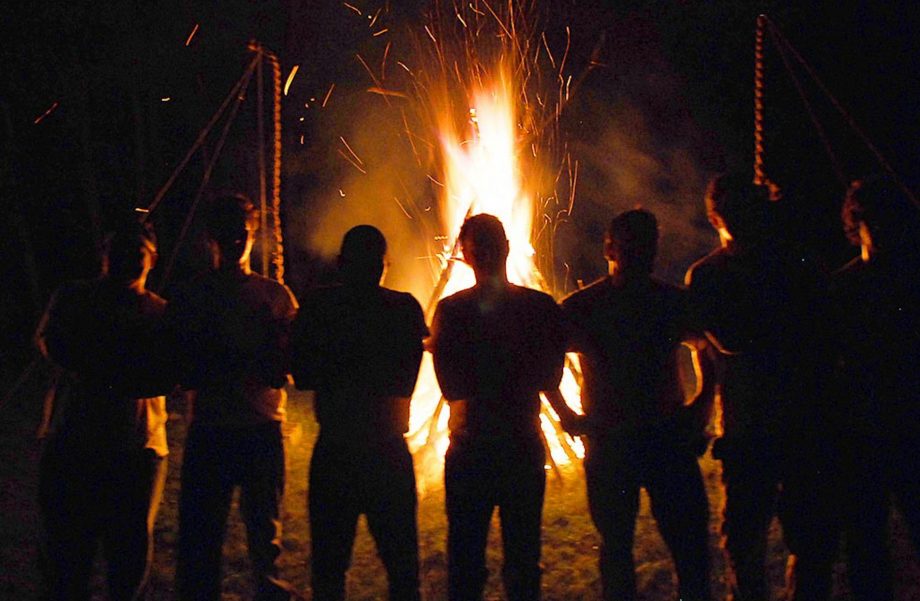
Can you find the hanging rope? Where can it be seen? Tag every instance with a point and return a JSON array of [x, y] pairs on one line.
[[787, 45], [759, 176], [278, 251], [260, 148]]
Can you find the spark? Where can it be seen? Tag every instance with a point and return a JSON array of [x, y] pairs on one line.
[[353, 164], [50, 110], [166, 99], [290, 78], [354, 8], [402, 207], [301, 139], [191, 35], [374, 19], [383, 61], [328, 94], [369, 72], [357, 158], [341, 193], [385, 92], [381, 32], [403, 65]]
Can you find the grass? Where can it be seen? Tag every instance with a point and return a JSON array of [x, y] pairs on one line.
[[569, 539]]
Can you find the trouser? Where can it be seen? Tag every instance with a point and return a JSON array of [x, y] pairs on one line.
[[217, 459], [348, 478], [850, 498], [87, 496], [751, 473], [480, 476], [615, 470]]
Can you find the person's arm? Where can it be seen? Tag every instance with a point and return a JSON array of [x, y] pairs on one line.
[[450, 352], [574, 423]]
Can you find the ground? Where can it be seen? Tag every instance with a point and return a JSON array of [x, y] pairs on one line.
[[569, 549]]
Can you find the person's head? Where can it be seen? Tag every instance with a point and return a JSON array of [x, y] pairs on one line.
[[631, 242], [485, 245], [362, 258], [130, 250], [738, 208], [230, 224], [878, 216]]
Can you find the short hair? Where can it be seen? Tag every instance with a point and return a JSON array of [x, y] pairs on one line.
[[484, 229], [635, 233], [882, 204], [363, 243], [228, 214], [738, 204]]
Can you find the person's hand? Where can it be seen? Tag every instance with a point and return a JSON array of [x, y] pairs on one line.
[[575, 424]]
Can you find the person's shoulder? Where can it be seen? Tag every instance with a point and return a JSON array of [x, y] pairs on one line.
[[399, 298], [533, 297], [707, 265], [459, 298], [154, 301], [272, 288], [587, 295]]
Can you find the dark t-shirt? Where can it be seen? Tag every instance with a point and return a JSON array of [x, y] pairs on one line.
[[765, 311], [113, 345], [232, 331], [360, 350], [497, 358], [628, 339]]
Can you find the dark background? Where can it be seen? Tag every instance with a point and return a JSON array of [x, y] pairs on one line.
[[665, 102]]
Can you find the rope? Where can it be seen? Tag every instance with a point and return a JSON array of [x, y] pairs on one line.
[[278, 252], [204, 182], [234, 92], [835, 162], [759, 176], [843, 112], [260, 135]]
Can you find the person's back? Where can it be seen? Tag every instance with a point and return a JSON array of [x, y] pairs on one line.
[[103, 466], [363, 348], [495, 347], [628, 337], [497, 355], [231, 327], [358, 346], [628, 329], [763, 306], [877, 317]]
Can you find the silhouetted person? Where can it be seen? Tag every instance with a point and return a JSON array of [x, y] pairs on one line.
[[877, 297], [359, 346], [232, 327], [495, 346], [103, 468], [761, 305], [627, 329]]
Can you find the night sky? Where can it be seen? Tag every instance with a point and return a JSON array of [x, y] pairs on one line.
[[664, 101]]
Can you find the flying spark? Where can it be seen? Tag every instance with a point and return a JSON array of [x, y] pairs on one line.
[[290, 78]]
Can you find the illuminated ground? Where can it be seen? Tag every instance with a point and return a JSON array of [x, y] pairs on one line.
[[569, 552]]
